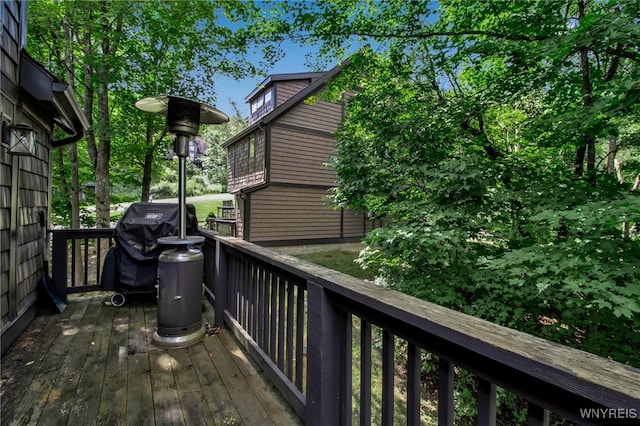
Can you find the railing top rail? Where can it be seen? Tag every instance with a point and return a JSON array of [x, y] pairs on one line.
[[573, 371], [84, 232]]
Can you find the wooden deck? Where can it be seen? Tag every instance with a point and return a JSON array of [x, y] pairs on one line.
[[94, 364]]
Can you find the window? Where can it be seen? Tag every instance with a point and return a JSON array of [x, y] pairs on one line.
[[262, 103], [252, 147]]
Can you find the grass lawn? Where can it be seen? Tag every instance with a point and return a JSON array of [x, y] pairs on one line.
[[343, 261], [204, 207], [339, 260]]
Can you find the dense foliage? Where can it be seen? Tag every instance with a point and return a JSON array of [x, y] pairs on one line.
[[500, 141], [114, 53]]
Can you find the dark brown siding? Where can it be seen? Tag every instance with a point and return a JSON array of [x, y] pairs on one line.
[[289, 213], [287, 89], [302, 144], [298, 157], [352, 224], [320, 115]]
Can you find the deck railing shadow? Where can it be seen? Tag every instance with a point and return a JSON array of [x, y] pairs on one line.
[[297, 320]]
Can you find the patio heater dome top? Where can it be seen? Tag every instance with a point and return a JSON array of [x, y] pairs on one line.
[[184, 115]]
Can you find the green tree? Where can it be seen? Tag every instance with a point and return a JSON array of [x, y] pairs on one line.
[[215, 162], [123, 51], [482, 129]]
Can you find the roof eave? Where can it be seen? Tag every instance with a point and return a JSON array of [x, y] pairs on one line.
[[59, 98]]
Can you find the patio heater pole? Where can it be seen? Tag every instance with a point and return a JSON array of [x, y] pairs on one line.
[[182, 144], [180, 269]]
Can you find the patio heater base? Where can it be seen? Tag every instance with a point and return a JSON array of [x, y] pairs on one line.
[[180, 274], [174, 342]]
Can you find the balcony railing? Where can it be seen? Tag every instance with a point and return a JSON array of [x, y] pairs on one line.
[[301, 323]]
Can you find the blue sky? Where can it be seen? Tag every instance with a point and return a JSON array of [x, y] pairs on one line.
[[228, 88]]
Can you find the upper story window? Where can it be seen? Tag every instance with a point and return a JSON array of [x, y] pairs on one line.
[[261, 105]]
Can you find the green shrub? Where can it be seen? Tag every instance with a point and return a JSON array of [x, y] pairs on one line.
[[165, 189]]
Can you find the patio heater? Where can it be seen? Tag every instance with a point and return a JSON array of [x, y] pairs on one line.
[[181, 267]]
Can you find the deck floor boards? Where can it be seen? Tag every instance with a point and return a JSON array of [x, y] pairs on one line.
[[94, 365]]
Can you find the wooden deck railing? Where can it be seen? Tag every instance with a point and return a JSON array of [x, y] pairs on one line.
[[77, 258], [301, 322]]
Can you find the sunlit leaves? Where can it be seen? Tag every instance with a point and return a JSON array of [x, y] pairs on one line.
[[463, 133]]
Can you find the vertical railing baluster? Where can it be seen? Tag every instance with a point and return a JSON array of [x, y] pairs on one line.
[[59, 260], [236, 287], [231, 296], [365, 373], [300, 333], [98, 259], [537, 416], [222, 282], [486, 403], [261, 308], [413, 385], [289, 327], [347, 360], [246, 277], [85, 267], [324, 364], [388, 365], [274, 317], [256, 301], [73, 262], [445, 393], [266, 317], [281, 321], [251, 329], [243, 293]]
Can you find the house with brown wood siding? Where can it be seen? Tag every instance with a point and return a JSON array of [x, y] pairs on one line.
[[277, 167], [32, 101]]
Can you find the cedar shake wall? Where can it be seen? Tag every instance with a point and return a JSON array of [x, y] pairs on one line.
[[246, 162], [32, 198], [24, 184], [10, 46], [239, 202]]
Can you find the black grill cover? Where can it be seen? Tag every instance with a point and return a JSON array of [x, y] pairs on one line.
[[131, 265]]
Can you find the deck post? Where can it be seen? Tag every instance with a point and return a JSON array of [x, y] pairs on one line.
[[325, 366], [220, 284], [59, 263]]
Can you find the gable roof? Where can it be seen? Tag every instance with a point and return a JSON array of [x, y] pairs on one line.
[[298, 98], [282, 77]]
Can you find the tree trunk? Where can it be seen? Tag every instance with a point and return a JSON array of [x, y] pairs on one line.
[[589, 146], [148, 162], [75, 212], [611, 156], [63, 176], [74, 197], [146, 174], [103, 191]]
